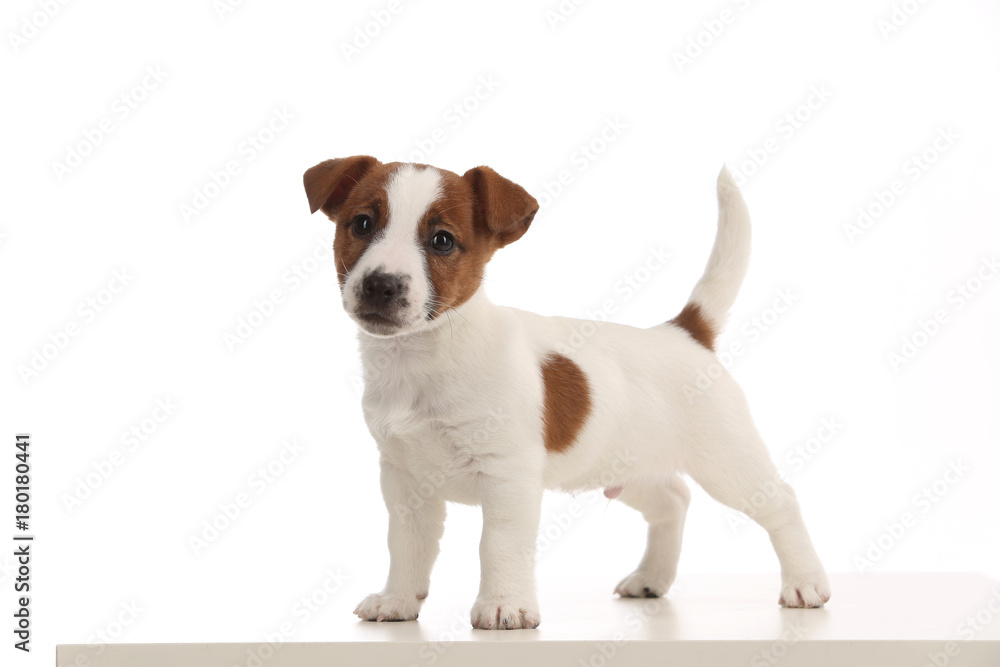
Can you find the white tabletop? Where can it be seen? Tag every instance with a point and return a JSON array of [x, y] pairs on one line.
[[877, 619]]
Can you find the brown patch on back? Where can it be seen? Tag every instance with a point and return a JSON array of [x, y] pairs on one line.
[[567, 401], [691, 320]]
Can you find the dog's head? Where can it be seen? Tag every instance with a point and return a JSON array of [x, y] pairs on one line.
[[412, 241]]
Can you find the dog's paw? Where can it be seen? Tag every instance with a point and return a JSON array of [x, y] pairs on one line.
[[644, 584], [387, 607], [808, 591], [504, 613]]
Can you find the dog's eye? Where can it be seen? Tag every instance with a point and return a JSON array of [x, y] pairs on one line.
[[362, 225], [443, 242]]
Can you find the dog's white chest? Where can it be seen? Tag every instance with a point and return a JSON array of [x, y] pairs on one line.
[[414, 434]]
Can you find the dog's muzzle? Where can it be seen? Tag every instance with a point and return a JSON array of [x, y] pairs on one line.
[[382, 297]]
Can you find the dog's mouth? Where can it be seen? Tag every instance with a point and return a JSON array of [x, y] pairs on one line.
[[379, 324], [376, 318]]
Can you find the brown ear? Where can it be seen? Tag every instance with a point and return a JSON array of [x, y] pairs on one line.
[[502, 206], [329, 183]]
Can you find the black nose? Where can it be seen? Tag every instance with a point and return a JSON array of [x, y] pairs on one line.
[[378, 289]]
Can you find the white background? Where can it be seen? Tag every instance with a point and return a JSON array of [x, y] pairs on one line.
[[886, 96]]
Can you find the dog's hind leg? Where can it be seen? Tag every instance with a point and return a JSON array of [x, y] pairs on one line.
[[735, 468], [663, 502]]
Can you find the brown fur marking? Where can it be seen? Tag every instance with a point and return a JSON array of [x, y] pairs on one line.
[[343, 189], [367, 197], [481, 209], [455, 277], [691, 320], [567, 401]]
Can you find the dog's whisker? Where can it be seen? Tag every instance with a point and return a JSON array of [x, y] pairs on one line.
[[457, 312], [367, 346]]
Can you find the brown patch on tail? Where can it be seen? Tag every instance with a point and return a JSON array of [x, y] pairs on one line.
[[691, 320], [567, 401]]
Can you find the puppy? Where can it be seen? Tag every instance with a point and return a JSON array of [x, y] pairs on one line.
[[475, 403]]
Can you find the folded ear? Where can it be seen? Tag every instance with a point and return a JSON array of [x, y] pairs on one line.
[[503, 207], [329, 183]]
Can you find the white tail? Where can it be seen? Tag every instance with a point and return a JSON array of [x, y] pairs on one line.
[[716, 291]]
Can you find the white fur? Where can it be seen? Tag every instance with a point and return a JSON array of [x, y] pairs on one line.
[[397, 249], [457, 415], [716, 291]]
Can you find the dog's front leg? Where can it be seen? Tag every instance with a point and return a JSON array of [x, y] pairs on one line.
[[416, 524], [511, 509]]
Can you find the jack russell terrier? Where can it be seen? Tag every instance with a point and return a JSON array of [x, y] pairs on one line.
[[479, 404]]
